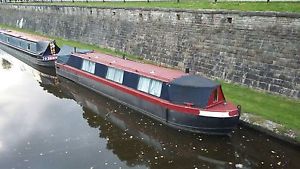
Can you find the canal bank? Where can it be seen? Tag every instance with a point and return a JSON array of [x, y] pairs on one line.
[[271, 128], [251, 120]]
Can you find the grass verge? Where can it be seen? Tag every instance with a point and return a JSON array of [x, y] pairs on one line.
[[276, 108], [191, 4]]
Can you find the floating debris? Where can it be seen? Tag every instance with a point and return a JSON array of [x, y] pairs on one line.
[[239, 165]]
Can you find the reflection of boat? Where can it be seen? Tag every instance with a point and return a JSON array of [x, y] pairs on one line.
[[5, 64], [44, 75], [38, 50], [178, 99], [138, 139], [22, 57]]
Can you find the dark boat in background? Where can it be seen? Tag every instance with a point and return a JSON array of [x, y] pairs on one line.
[[39, 50], [178, 99]]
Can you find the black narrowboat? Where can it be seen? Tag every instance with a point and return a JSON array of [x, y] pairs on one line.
[[181, 100], [39, 50]]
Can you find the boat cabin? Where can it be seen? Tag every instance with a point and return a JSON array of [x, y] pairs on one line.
[[167, 84]]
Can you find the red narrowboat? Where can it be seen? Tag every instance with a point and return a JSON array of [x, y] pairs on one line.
[[181, 100]]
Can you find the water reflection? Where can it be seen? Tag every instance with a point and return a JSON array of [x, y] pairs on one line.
[[50, 122], [5, 64], [139, 140]]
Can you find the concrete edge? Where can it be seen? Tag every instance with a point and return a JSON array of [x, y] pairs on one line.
[[270, 128], [199, 11]]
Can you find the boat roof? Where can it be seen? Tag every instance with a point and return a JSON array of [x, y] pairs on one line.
[[194, 81], [147, 70], [25, 36]]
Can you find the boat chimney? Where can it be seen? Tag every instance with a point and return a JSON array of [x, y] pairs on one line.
[[74, 49], [187, 70], [124, 57]]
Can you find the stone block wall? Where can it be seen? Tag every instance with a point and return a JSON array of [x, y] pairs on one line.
[[257, 49]]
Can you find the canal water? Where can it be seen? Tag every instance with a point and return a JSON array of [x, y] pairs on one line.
[[48, 122]]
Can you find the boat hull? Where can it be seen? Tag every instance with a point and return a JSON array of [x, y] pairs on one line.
[[175, 119], [24, 56]]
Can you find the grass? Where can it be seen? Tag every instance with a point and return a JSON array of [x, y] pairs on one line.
[[276, 108], [191, 4]]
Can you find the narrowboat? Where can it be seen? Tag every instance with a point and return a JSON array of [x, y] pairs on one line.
[[39, 50], [178, 99]]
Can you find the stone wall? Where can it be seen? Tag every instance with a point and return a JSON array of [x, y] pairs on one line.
[[257, 49]]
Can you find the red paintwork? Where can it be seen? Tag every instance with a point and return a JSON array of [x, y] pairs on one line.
[[227, 107], [144, 96], [151, 71], [221, 98], [26, 36], [147, 97]]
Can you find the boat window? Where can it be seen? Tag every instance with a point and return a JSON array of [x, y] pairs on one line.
[[28, 46], [115, 75], [150, 86], [215, 95], [144, 84], [88, 66], [7, 39]]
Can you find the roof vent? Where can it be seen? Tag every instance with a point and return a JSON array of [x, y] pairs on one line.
[[152, 72]]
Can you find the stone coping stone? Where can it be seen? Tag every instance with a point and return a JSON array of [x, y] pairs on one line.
[[270, 128], [201, 11]]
